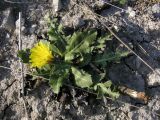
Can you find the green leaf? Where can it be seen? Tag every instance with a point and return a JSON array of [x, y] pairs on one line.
[[122, 2], [101, 42], [24, 55], [120, 54], [56, 50], [69, 56], [56, 37], [101, 59], [98, 77], [59, 72], [75, 39], [79, 43], [60, 28], [53, 35], [109, 57], [85, 59], [59, 67], [82, 79], [105, 88], [56, 82], [108, 84]]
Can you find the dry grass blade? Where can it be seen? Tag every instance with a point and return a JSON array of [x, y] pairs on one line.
[[115, 6], [20, 48], [22, 71]]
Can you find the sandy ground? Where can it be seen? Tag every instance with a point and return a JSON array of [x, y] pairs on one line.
[[139, 26]]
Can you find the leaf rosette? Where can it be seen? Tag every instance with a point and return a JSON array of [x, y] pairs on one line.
[[70, 59]]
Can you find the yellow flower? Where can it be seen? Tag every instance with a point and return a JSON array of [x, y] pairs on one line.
[[40, 55]]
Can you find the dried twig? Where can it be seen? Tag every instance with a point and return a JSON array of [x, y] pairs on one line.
[[134, 94], [22, 71], [20, 48]]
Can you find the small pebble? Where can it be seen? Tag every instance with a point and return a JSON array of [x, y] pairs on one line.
[[131, 12], [154, 78], [33, 28], [156, 8]]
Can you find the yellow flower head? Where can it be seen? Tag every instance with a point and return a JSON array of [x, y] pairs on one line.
[[40, 54]]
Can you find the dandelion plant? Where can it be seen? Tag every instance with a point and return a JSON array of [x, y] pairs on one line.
[[69, 59]]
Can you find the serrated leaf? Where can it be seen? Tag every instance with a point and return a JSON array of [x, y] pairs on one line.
[[79, 43], [55, 49], [108, 84], [96, 77], [85, 59], [101, 42], [60, 28], [24, 55], [103, 85], [53, 36], [69, 57], [82, 79], [59, 68], [101, 59], [104, 88], [122, 2], [109, 57], [78, 38], [58, 74], [56, 37], [121, 54], [101, 76], [56, 82], [68, 37]]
